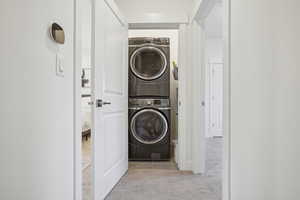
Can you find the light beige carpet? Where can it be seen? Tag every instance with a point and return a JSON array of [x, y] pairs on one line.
[[86, 153], [162, 181], [87, 184], [86, 169]]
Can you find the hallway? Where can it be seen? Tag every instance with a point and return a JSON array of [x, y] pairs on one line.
[[162, 181]]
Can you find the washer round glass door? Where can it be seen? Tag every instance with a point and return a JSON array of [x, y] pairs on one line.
[[149, 126], [148, 63]]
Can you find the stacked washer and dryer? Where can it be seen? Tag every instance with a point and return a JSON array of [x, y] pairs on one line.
[[149, 99]]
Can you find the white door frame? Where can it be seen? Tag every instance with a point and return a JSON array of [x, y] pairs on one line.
[[184, 163], [77, 100], [227, 101], [200, 12], [191, 112]]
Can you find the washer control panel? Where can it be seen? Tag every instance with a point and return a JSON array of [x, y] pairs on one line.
[[149, 102]]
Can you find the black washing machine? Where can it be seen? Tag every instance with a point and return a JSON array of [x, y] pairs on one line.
[[149, 129], [149, 67]]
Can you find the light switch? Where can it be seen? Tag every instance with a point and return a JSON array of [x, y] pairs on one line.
[[60, 71]]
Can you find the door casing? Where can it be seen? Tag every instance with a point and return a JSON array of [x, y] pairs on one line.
[[77, 97]]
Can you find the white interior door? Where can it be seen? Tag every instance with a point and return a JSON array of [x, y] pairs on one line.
[[110, 36], [216, 99]]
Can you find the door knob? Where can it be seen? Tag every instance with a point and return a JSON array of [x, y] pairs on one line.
[[101, 103]]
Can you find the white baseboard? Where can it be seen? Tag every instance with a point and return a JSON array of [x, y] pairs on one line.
[[176, 151], [187, 166]]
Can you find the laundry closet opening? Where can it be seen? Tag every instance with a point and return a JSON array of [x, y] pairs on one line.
[[154, 170], [153, 97], [152, 136]]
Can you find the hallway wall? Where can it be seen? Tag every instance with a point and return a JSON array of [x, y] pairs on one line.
[[36, 109], [265, 99], [253, 142], [286, 54]]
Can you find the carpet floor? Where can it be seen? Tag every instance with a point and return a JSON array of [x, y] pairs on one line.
[[86, 155], [86, 169], [162, 181]]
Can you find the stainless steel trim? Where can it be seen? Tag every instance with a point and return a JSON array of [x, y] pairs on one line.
[[135, 108], [153, 107], [148, 44], [164, 108], [132, 128], [132, 64], [139, 101]]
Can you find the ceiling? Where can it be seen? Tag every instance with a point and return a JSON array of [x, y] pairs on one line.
[[164, 11], [170, 11], [156, 5]]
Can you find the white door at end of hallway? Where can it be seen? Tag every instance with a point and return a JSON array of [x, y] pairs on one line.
[[216, 99], [110, 96]]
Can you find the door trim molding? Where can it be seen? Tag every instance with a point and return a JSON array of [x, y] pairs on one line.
[[227, 101], [77, 186], [77, 98], [199, 14], [191, 146], [198, 96], [183, 131]]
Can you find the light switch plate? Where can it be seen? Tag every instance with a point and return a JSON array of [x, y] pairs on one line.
[[60, 71]]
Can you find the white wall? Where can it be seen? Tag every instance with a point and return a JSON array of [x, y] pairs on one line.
[[36, 110], [155, 11], [173, 35], [252, 81], [184, 131], [264, 104], [286, 87], [214, 49], [214, 21]]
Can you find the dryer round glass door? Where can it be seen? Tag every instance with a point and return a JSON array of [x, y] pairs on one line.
[[148, 63], [149, 126]]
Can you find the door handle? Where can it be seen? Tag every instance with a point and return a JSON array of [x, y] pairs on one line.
[[101, 103]]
